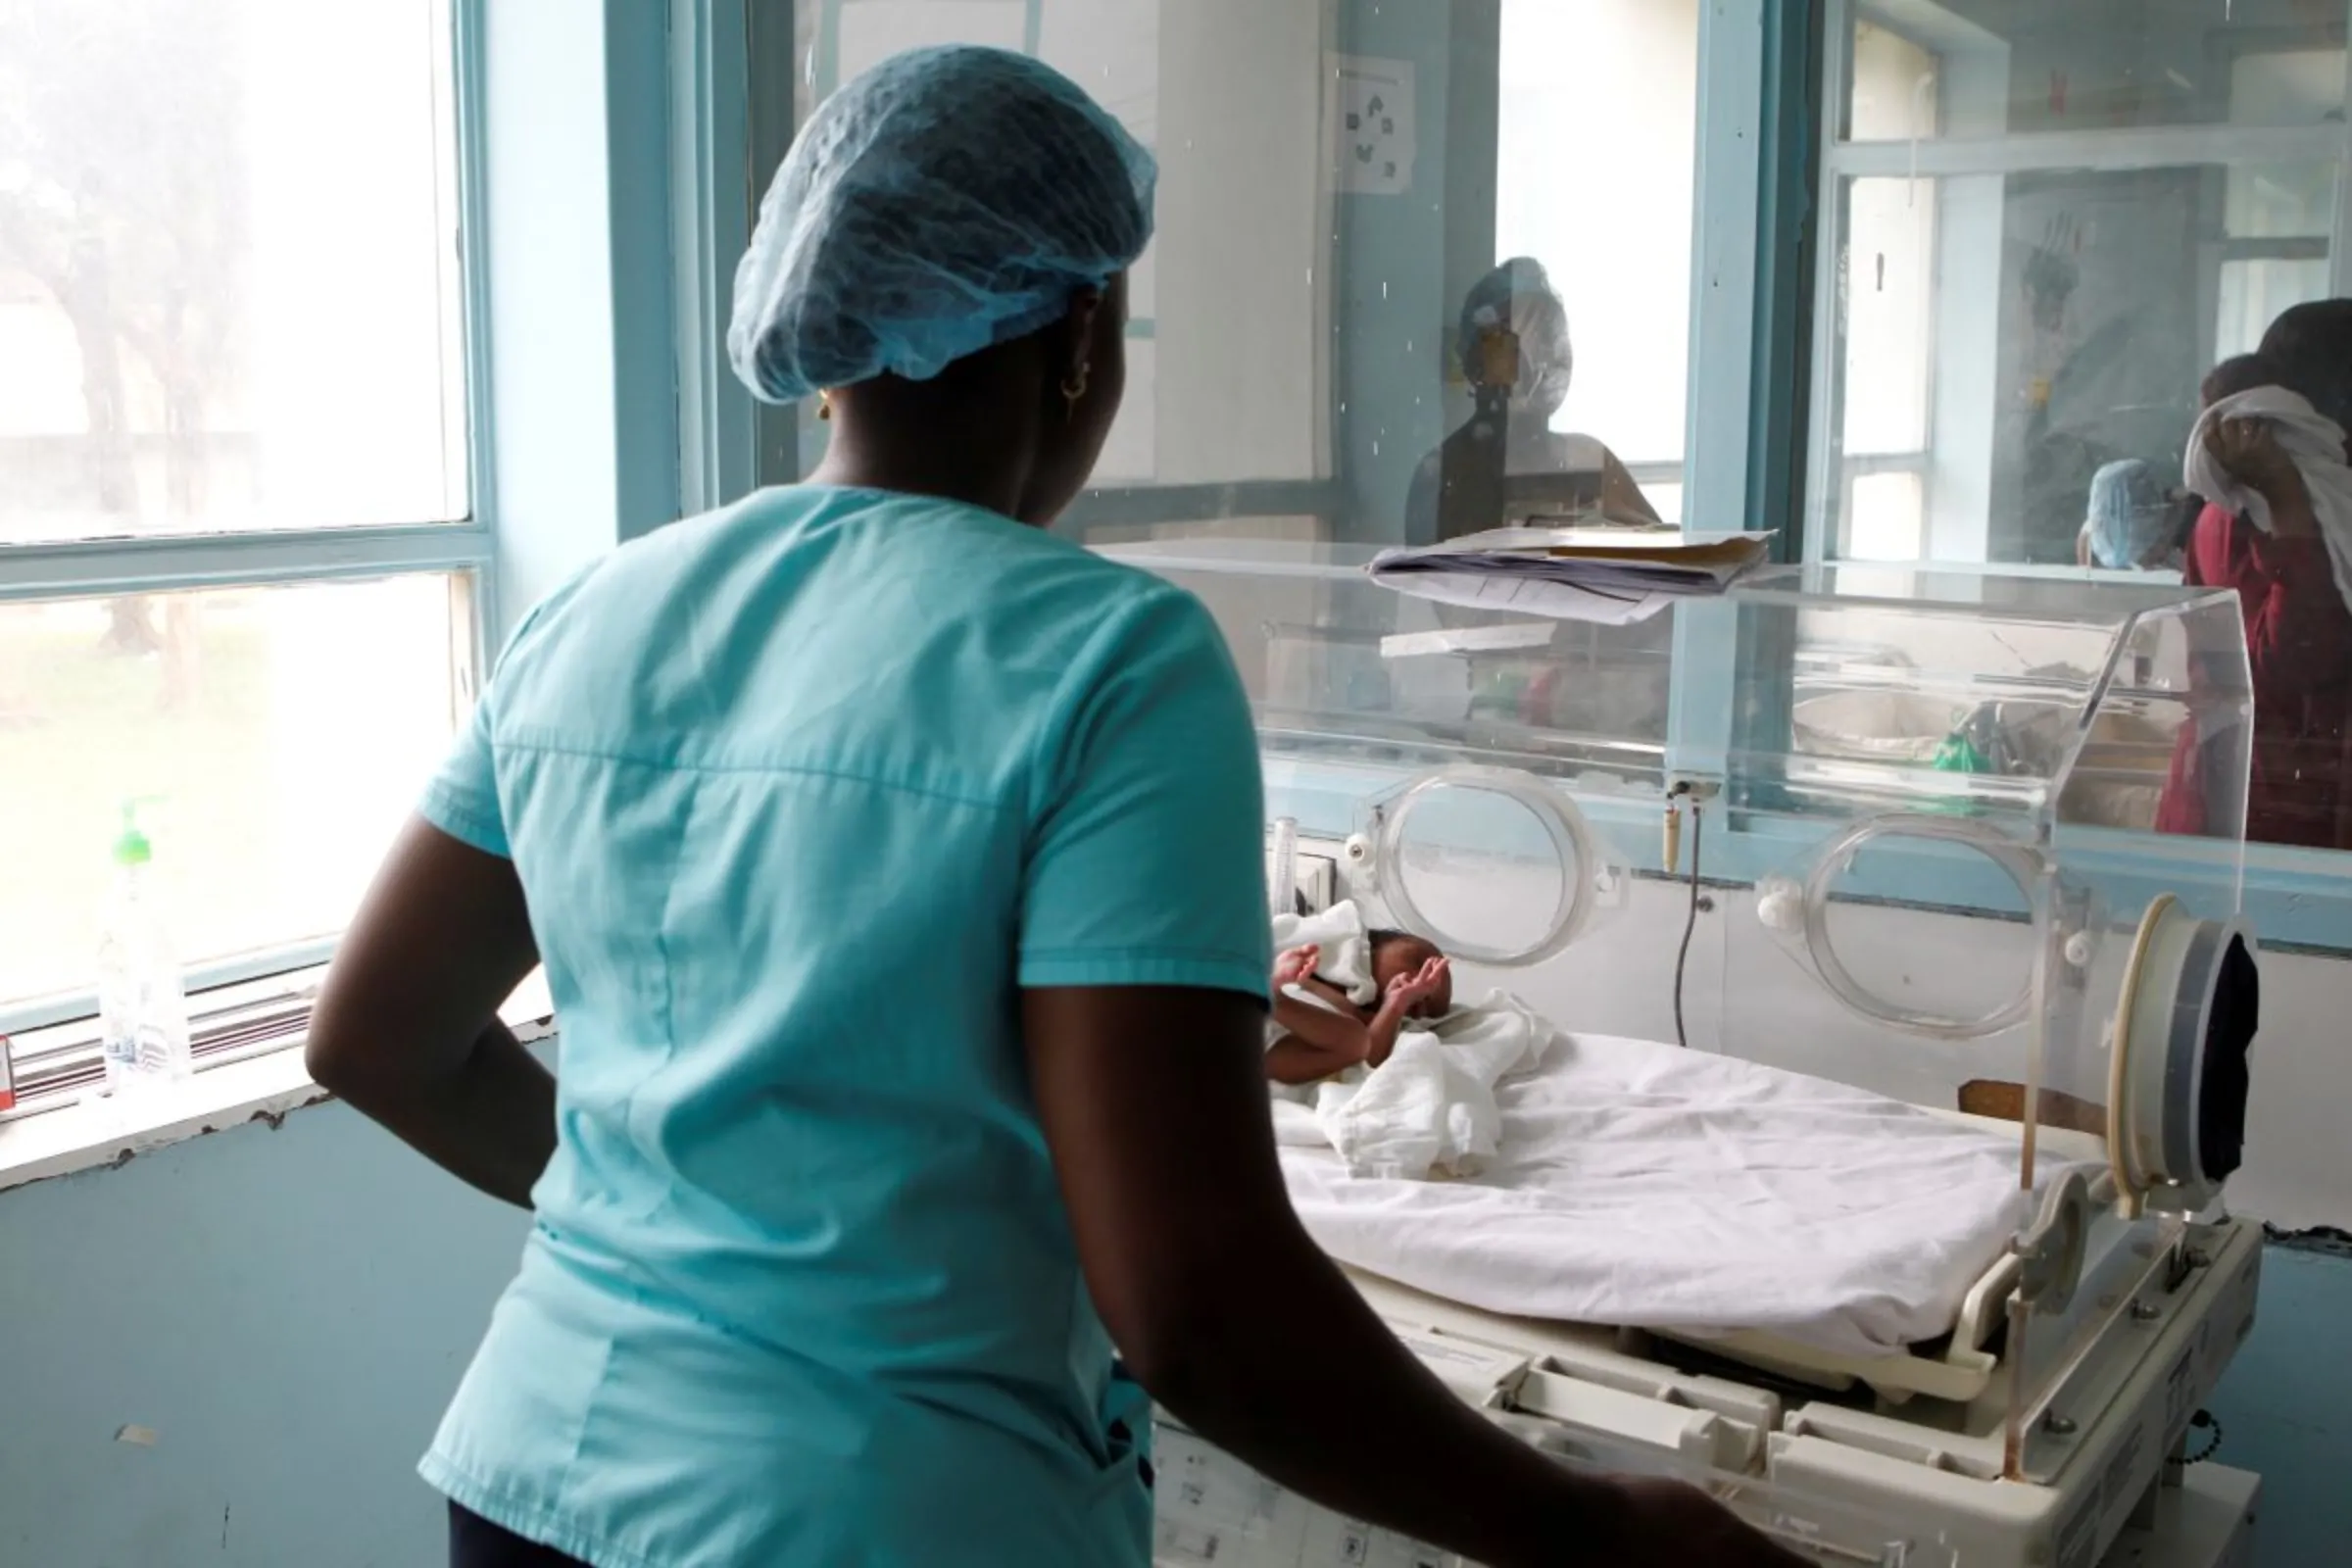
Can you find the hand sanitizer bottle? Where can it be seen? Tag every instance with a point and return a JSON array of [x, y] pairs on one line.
[[142, 1000]]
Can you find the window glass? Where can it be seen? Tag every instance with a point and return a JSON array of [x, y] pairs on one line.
[[214, 317], [1600, 108], [2044, 228], [275, 737], [2047, 224], [1420, 271]]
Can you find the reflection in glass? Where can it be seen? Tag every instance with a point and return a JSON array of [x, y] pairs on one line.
[[1418, 270], [2046, 224], [2057, 235], [1507, 466]]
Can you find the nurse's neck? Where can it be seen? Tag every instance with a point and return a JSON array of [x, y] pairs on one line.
[[965, 436]]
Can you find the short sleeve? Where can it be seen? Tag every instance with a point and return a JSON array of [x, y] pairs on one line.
[[461, 801], [1146, 859]]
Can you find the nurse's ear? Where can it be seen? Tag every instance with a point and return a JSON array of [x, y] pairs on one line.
[[1085, 381]]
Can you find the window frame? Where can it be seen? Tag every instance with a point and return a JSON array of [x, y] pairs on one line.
[[257, 1001]]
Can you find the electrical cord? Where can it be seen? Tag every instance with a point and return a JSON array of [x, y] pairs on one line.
[[1681, 959]]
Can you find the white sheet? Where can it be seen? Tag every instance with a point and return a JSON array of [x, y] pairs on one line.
[[1645, 1185], [1430, 1107], [2314, 441]]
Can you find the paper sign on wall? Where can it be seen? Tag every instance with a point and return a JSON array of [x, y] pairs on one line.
[[1372, 131]]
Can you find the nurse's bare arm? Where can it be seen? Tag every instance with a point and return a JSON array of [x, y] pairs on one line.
[[407, 1026], [1153, 1102]]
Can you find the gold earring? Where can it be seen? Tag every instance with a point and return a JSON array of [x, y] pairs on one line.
[[824, 405], [1073, 391]]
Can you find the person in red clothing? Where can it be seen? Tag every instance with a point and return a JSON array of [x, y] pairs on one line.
[[2298, 629]]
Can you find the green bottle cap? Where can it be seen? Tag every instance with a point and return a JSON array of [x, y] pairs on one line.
[[133, 848]]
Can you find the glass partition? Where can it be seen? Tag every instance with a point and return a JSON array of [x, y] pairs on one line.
[[1420, 271], [2051, 237], [2044, 226]]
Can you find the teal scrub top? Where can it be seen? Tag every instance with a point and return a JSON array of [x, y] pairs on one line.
[[801, 794]]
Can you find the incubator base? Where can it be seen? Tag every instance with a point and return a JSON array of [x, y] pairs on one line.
[[1914, 1485]]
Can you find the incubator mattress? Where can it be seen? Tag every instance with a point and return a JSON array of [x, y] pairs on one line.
[[1648, 1187]]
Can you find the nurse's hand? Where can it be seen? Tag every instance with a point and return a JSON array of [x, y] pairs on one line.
[[1668, 1525]]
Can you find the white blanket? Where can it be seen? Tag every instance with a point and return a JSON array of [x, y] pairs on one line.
[[1430, 1109], [1347, 956], [2315, 443], [1643, 1186]]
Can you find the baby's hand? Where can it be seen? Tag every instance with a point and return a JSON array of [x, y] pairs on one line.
[[1407, 991], [1294, 966]]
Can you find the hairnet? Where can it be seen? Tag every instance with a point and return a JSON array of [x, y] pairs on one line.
[[1518, 296], [944, 201], [2131, 516]]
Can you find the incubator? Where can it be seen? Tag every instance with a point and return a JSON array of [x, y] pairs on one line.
[[1936, 880]]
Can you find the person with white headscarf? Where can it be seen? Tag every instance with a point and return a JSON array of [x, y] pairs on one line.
[[2270, 458], [1506, 465]]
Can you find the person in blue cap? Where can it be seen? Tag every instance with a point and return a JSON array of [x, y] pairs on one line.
[[897, 871], [2133, 520]]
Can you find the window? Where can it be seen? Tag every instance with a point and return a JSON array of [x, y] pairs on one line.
[[1340, 184], [2043, 226], [1227, 360], [1594, 176], [240, 554], [2026, 231]]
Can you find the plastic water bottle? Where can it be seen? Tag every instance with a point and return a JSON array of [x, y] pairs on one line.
[[142, 998]]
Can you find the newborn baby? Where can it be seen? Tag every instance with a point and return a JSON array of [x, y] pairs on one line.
[[1321, 1038]]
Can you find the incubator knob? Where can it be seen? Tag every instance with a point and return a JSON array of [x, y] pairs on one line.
[[2077, 949], [1358, 850]]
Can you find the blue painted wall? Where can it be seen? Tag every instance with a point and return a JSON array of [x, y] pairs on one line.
[[288, 1310]]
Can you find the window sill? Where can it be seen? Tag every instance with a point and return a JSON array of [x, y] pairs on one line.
[[90, 1132]]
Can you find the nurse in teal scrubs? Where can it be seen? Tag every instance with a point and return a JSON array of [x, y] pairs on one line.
[[897, 871]]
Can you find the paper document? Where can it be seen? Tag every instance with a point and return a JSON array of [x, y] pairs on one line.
[[1613, 577]]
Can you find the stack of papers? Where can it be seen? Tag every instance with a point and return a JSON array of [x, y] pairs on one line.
[[1612, 575]]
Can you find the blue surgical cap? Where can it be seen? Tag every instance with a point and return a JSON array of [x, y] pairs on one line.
[[2131, 516], [947, 200]]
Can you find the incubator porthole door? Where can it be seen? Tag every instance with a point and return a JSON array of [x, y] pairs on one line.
[[1495, 866], [1891, 985]]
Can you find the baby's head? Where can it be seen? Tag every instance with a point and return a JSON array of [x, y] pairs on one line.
[[1398, 954]]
